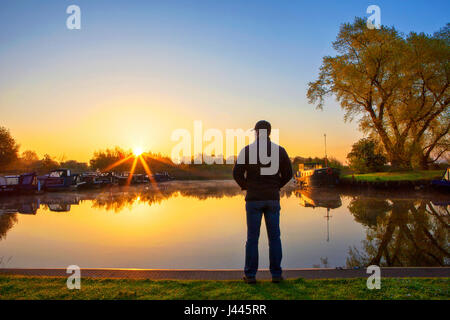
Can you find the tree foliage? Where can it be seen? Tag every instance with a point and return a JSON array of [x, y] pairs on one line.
[[104, 159], [75, 166], [397, 86], [47, 164], [364, 157], [330, 161], [8, 148]]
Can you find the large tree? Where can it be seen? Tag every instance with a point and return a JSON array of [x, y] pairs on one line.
[[397, 86], [8, 148]]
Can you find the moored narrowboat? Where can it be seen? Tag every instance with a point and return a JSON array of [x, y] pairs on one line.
[[19, 184], [162, 177], [9, 184], [96, 180], [60, 180], [313, 175], [28, 183]]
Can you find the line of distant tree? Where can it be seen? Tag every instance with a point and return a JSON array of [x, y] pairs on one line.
[[330, 161]]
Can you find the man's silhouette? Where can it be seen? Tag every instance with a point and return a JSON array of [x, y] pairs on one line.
[[263, 197]]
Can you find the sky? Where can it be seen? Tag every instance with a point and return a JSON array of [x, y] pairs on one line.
[[138, 70]]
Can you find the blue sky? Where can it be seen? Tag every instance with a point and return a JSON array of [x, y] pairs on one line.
[[159, 65]]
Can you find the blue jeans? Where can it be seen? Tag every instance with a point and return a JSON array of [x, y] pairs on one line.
[[255, 211]]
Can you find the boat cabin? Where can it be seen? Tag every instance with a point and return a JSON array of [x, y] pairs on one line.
[[19, 183], [307, 169], [59, 173]]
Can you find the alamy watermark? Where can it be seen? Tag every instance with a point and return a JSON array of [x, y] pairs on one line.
[[374, 21], [73, 21], [74, 280], [190, 148], [374, 280]]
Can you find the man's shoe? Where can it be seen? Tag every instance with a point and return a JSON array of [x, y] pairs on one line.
[[249, 280], [277, 279]]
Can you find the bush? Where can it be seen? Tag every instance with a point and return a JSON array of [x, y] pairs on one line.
[[364, 158]]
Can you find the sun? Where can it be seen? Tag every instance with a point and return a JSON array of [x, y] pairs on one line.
[[137, 151]]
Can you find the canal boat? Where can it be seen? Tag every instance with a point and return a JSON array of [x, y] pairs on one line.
[[19, 184], [314, 175], [162, 177], [28, 183], [140, 179], [9, 184], [60, 180], [125, 179], [136, 178], [442, 184], [96, 180]]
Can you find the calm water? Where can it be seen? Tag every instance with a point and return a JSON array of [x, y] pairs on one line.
[[202, 225]]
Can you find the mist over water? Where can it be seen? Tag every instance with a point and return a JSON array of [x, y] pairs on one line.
[[201, 224]]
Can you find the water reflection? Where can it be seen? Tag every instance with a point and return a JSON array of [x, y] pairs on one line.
[[320, 198], [7, 221], [383, 229], [117, 199], [401, 232]]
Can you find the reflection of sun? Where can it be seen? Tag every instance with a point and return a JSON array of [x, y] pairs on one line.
[[137, 151]]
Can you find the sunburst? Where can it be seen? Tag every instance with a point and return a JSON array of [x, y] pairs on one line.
[[138, 151], [138, 155]]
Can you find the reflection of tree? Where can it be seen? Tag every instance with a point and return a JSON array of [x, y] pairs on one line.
[[200, 190], [404, 233], [117, 201], [366, 210], [7, 221]]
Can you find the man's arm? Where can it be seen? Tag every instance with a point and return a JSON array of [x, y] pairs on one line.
[[285, 168], [239, 170]]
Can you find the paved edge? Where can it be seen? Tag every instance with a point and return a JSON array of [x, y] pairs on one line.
[[200, 274]]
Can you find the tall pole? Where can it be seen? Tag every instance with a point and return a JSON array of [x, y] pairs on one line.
[[328, 224], [326, 159]]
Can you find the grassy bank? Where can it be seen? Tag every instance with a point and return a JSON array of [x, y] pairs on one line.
[[18, 287], [397, 176]]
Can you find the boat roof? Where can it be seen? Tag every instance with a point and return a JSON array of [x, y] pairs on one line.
[[29, 174]]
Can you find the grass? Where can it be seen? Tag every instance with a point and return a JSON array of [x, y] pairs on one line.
[[21, 287], [398, 176]]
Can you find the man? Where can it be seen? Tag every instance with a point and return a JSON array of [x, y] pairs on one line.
[[263, 197]]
